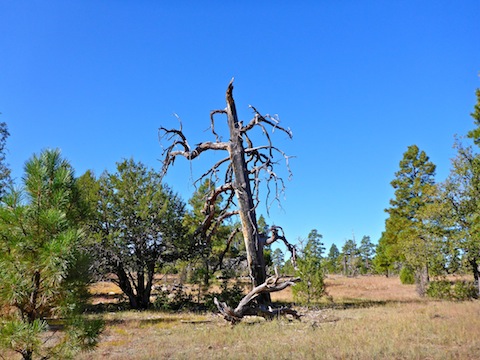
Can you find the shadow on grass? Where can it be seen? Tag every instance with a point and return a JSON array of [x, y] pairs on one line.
[[109, 307], [344, 304]]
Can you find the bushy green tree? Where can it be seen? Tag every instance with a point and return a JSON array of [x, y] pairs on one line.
[[139, 227], [41, 262], [309, 268], [366, 251], [462, 198], [267, 250], [332, 260], [350, 258], [407, 225], [388, 255]]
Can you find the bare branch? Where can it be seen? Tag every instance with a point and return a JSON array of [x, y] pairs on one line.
[[213, 170], [259, 118], [274, 230], [180, 147], [212, 122], [272, 284], [227, 247]]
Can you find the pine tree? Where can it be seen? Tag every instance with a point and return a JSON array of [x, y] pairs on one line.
[[350, 258], [41, 264], [366, 251], [331, 263], [278, 258], [405, 231], [309, 263], [462, 195]]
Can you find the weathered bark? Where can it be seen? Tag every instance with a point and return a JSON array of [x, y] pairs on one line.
[[124, 284], [272, 284], [244, 165], [243, 192], [422, 280]]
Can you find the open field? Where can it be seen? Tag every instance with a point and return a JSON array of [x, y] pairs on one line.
[[439, 330], [365, 318]]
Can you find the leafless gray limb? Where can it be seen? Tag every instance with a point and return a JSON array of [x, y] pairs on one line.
[[272, 284]]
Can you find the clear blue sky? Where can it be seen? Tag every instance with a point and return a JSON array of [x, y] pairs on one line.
[[356, 81]]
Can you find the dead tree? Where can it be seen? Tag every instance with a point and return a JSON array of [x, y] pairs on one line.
[[244, 166]]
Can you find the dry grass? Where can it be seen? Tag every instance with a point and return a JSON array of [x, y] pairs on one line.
[[362, 288], [366, 318], [387, 321], [425, 330]]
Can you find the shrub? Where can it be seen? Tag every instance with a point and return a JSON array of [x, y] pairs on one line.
[[441, 289], [407, 276], [175, 300], [465, 290], [460, 290], [230, 296]]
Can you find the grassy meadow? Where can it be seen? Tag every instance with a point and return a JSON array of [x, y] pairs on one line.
[[367, 317]]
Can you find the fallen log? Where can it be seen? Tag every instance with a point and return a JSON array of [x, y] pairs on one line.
[[247, 307]]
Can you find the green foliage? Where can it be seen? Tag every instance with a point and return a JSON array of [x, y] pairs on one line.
[[350, 258], [366, 252], [175, 300], [407, 275], [21, 336], [138, 228], [475, 133], [459, 290], [386, 255], [211, 247], [412, 230], [40, 259], [332, 260], [278, 259], [465, 290], [461, 193], [441, 289], [309, 269], [228, 294]]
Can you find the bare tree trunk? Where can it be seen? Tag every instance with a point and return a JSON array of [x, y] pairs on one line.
[[124, 284], [243, 192], [422, 279], [476, 274]]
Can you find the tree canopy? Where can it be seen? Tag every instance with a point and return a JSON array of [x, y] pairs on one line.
[[139, 227]]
